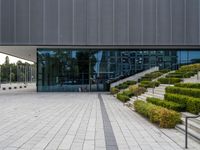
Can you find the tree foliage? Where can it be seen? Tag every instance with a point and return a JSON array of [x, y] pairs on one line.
[[15, 71]]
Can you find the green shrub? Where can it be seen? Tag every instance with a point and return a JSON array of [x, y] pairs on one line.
[[122, 97], [151, 76], [164, 71], [131, 82], [166, 104], [183, 91], [128, 93], [168, 118], [191, 104], [188, 85], [126, 84], [122, 86], [174, 75], [136, 90], [180, 74], [192, 67], [162, 116], [149, 84], [114, 90], [169, 80]]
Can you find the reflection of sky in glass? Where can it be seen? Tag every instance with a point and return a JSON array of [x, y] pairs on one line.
[[98, 57], [74, 54], [187, 56]]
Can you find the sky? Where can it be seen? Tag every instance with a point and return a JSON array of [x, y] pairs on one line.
[[12, 59]]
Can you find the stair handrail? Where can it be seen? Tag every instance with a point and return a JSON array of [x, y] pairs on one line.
[[186, 128]]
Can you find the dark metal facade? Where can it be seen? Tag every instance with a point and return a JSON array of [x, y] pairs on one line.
[[99, 22]]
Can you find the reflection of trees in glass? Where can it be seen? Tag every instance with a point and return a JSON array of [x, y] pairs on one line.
[[86, 62], [83, 66]]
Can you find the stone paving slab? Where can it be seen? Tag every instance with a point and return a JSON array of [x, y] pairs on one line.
[[134, 132], [77, 121]]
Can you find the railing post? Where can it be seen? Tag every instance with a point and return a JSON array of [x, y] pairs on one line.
[[186, 132]]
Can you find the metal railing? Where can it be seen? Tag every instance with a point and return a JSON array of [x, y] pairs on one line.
[[186, 128]]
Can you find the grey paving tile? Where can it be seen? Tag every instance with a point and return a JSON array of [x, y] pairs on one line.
[[50, 121]]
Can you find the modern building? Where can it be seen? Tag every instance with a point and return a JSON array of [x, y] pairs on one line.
[[84, 44]]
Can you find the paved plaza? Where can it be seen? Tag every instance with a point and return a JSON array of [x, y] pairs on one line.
[[78, 121]]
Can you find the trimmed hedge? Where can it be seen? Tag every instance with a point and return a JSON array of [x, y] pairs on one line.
[[131, 82], [183, 91], [149, 84], [114, 90], [125, 84], [122, 97], [180, 74], [133, 91], [128, 93], [164, 117], [151, 76], [166, 104], [169, 80], [122, 86], [137, 90], [164, 71], [192, 67], [188, 85], [191, 104]]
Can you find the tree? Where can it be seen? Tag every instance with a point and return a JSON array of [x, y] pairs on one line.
[[15, 71], [7, 60]]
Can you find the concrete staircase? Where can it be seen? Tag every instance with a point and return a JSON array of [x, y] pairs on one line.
[[193, 79], [157, 92], [193, 126]]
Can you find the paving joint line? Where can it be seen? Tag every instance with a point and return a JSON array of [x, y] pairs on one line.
[[108, 130]]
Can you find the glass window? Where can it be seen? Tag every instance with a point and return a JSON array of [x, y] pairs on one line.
[[94, 70]]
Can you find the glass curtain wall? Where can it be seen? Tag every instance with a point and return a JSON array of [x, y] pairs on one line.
[[87, 70]]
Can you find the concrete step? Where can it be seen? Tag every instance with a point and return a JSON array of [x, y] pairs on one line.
[[142, 97], [133, 98], [156, 89], [159, 91], [192, 125], [155, 95], [165, 85], [197, 120], [193, 134], [147, 94], [191, 81]]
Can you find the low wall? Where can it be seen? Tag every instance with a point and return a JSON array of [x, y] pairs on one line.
[[14, 86]]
